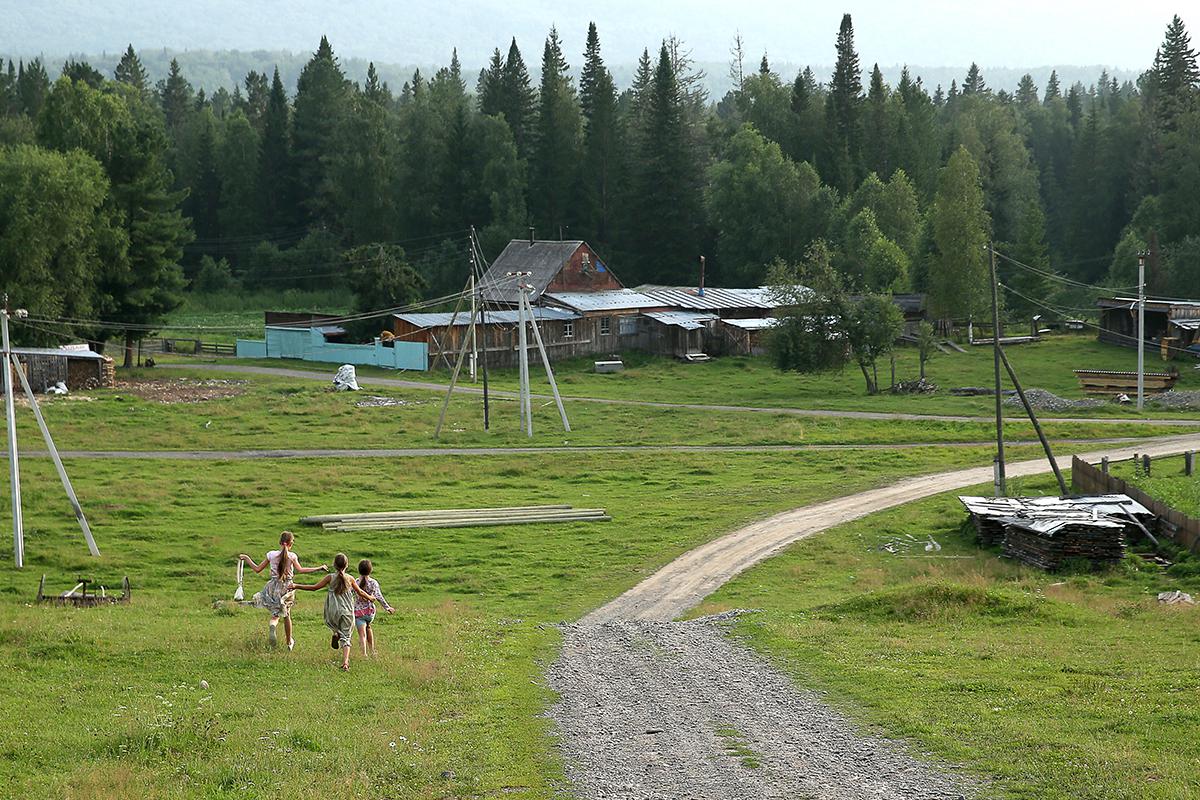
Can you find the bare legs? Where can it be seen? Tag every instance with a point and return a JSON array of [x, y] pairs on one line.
[[366, 638], [346, 657]]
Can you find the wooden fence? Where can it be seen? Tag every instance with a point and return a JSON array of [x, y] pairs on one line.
[[1184, 530], [193, 347]]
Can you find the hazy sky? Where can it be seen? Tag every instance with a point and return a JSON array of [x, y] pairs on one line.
[[1001, 34]]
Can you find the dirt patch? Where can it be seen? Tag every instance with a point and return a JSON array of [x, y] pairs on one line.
[[182, 390]]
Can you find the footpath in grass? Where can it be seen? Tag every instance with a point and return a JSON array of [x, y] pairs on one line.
[[266, 412], [1060, 686], [110, 699]]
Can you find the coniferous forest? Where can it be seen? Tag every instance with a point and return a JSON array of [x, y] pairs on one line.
[[118, 196]]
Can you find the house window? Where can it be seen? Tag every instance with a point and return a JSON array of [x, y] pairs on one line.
[[627, 325], [605, 326], [568, 330]]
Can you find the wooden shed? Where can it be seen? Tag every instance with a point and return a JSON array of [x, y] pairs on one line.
[[74, 365]]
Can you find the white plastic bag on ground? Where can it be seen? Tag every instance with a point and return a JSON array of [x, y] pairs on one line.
[[345, 380], [58, 388]]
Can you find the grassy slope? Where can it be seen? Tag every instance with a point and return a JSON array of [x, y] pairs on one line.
[[286, 413], [109, 699], [755, 382], [1077, 686]]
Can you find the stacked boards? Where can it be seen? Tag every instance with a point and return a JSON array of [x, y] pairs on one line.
[[456, 518], [1046, 532]]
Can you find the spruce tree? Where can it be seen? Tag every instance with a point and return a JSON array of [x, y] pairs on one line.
[[844, 114], [322, 100], [519, 104], [666, 201], [203, 202], [490, 90], [601, 139], [83, 71], [1027, 92], [974, 83], [556, 150], [258, 93], [1174, 78], [131, 72], [374, 90], [276, 189], [878, 135], [175, 95], [1052, 88]]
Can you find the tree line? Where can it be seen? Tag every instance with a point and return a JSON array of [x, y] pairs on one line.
[[116, 194]]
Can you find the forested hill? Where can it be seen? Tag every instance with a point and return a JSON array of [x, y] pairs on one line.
[[118, 192]]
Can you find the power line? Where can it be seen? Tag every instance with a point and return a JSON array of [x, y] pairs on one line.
[[1062, 279]]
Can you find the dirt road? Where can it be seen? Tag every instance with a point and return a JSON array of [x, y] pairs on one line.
[[653, 708]]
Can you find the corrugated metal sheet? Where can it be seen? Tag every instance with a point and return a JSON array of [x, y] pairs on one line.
[[753, 324], [63, 352], [1114, 504], [543, 259], [1187, 324], [687, 320], [609, 300], [714, 298], [1048, 523], [441, 319]]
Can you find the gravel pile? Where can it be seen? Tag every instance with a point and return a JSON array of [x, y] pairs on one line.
[[676, 709], [1181, 401], [376, 401], [1049, 401]]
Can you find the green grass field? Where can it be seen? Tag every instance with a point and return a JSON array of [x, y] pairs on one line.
[[109, 698], [271, 412], [755, 382], [1062, 686], [1166, 481]]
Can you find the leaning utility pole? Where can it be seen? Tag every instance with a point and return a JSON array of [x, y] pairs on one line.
[[477, 264], [10, 418], [1141, 383], [537, 338], [523, 356], [1001, 487]]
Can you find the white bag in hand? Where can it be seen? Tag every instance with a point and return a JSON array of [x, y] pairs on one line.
[[237, 593]]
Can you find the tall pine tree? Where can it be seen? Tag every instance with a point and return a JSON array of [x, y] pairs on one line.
[[843, 164], [553, 173], [601, 140], [322, 100]]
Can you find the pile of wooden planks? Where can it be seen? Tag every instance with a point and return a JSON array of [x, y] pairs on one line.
[[1048, 542], [1102, 381], [1046, 531], [456, 518]]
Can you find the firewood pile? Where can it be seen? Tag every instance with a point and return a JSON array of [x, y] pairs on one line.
[[1046, 531]]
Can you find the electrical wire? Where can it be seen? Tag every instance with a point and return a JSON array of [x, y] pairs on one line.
[[1062, 279]]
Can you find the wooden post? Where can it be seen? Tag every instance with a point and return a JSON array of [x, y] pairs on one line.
[[537, 338], [1104, 465], [1189, 462], [1037, 427], [1146, 465], [996, 354], [453, 380]]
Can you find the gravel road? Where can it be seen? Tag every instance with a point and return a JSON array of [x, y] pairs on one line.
[[653, 709], [678, 710]]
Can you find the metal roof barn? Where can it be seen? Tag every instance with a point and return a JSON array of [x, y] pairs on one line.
[[712, 299], [612, 300]]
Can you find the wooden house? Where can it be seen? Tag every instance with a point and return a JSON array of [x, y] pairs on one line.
[[496, 331], [1169, 324], [552, 267], [76, 366]]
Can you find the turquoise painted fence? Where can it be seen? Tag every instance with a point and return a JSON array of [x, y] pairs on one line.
[[308, 344]]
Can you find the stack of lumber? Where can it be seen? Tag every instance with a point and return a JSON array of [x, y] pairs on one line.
[[456, 518], [1046, 531], [1103, 381], [1047, 540]]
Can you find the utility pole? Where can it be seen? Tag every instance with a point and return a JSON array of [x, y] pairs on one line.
[[1001, 487], [477, 262], [1141, 386], [474, 307], [537, 338], [523, 357], [10, 418]]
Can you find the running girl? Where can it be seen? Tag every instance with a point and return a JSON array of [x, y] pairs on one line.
[[364, 610], [339, 604], [275, 595]]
